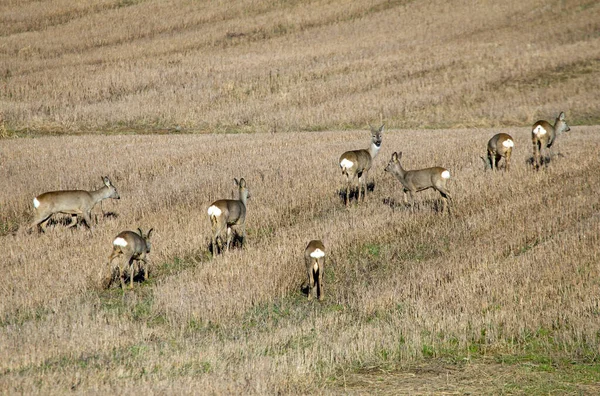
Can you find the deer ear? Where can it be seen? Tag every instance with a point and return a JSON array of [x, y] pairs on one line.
[[149, 232], [106, 181], [141, 232], [400, 155], [235, 180], [395, 156], [381, 128], [242, 182], [561, 116]]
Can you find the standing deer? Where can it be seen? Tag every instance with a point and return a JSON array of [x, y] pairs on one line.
[[419, 180], [71, 202], [314, 257], [544, 134], [500, 145], [227, 213], [133, 247], [358, 163]]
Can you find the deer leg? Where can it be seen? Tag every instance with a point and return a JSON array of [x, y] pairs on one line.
[[121, 275], [218, 228], [347, 188], [412, 200], [320, 294], [145, 269], [37, 221], [229, 235], [445, 198], [364, 178], [536, 154], [360, 182], [131, 272], [87, 219], [507, 160], [73, 221], [311, 282], [243, 234], [43, 224]]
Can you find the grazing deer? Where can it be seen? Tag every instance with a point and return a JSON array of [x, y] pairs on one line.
[[227, 213], [544, 134], [500, 145], [314, 257], [133, 247], [71, 202], [419, 180], [358, 163]]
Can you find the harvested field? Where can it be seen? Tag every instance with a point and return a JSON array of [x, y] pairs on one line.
[[512, 274]]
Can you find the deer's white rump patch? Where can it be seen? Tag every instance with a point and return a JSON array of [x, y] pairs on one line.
[[36, 203], [539, 130], [214, 211], [446, 174], [508, 143], [120, 242], [345, 163], [317, 253]]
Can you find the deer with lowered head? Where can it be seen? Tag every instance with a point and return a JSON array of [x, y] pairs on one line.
[[544, 134], [419, 180], [73, 202], [227, 213], [358, 163], [498, 147], [314, 258], [133, 247]]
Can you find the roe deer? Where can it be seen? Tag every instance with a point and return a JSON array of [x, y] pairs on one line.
[[544, 134], [71, 202], [358, 163], [133, 247], [314, 257], [419, 180], [500, 145], [226, 213]]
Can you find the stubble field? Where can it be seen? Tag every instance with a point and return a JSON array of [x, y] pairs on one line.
[[510, 278], [173, 99]]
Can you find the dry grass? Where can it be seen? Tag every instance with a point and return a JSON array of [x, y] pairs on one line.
[[244, 66], [511, 277]]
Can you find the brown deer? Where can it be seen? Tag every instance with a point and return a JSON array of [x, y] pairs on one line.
[[358, 163], [227, 213], [419, 180], [544, 134], [133, 247], [500, 145], [314, 257], [73, 202]]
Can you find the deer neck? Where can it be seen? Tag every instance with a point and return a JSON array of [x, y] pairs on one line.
[[373, 150], [400, 173], [243, 197], [100, 194]]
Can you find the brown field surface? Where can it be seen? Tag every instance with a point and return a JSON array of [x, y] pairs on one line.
[[502, 295], [172, 99], [245, 66]]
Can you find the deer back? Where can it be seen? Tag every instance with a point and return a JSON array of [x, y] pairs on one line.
[[424, 178], [233, 210], [500, 144], [314, 254], [68, 201], [357, 160], [129, 241], [542, 132]]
